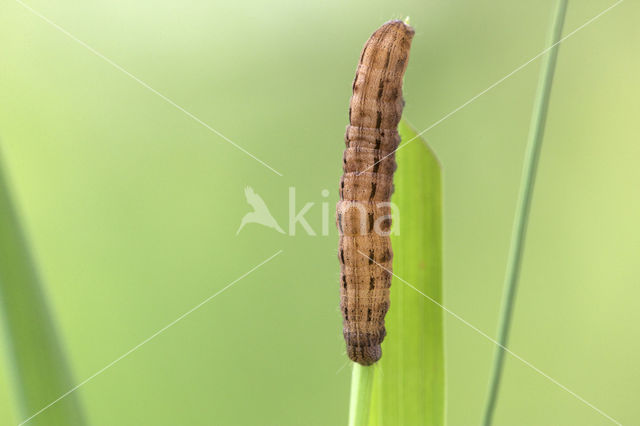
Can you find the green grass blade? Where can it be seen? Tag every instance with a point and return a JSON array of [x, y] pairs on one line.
[[360, 400], [408, 385], [38, 365], [518, 236]]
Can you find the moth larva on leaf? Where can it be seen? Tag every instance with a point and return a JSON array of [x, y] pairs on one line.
[[366, 187]]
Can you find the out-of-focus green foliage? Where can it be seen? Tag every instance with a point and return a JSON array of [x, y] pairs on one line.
[[40, 370]]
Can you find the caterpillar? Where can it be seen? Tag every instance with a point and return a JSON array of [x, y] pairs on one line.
[[363, 215]]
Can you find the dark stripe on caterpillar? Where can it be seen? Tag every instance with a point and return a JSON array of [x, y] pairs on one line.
[[380, 89]]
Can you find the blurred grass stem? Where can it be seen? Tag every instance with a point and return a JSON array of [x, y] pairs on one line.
[[519, 232], [38, 366]]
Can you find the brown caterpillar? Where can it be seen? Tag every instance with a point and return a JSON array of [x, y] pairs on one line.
[[363, 214]]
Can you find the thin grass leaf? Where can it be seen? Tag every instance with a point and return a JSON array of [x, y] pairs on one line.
[[408, 384], [38, 367], [360, 400], [518, 236]]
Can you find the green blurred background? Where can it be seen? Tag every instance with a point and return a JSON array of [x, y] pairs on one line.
[[132, 207]]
